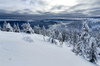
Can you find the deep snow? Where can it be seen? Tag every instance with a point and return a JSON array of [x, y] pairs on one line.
[[20, 49]]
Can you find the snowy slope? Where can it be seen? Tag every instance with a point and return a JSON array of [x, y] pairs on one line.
[[19, 49]]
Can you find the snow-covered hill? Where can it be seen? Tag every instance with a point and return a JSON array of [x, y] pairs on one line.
[[20, 49]]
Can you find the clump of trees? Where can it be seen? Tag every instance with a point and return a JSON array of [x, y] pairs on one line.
[[7, 27], [16, 28], [27, 28]]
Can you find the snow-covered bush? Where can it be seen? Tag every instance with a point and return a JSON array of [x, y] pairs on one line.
[[27, 28]]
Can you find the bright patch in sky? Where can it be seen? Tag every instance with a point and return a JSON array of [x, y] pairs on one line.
[[62, 2]]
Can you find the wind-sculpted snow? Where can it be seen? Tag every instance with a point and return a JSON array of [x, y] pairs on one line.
[[28, 39], [14, 51]]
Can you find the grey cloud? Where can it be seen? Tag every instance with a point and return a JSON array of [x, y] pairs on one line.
[[27, 10], [58, 7], [95, 12], [76, 6], [41, 2]]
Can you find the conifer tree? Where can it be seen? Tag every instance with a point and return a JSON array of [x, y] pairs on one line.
[[44, 32], [14, 27], [60, 38], [53, 36], [4, 26], [85, 37], [88, 45], [37, 29], [75, 40], [18, 29]]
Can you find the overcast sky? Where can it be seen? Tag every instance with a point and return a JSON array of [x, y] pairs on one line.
[[49, 8]]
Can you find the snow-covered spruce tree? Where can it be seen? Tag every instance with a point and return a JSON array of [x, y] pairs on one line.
[[37, 29], [4, 26], [44, 32], [52, 36], [78, 48], [70, 37], [49, 34], [93, 55], [85, 39], [75, 40], [98, 55], [27, 28], [16, 28], [63, 35], [88, 45], [7, 27], [60, 38], [56, 33]]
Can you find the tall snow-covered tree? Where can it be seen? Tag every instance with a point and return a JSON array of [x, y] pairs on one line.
[[37, 29], [63, 35], [78, 48], [75, 40], [14, 27], [93, 50], [85, 38], [70, 37], [60, 38], [56, 33], [18, 29], [53, 36], [4, 26], [44, 32], [88, 45]]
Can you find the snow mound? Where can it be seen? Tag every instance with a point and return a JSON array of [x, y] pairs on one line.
[[28, 39]]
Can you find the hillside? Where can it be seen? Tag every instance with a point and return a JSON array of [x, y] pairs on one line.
[[20, 49]]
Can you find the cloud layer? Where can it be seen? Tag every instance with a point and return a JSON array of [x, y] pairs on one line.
[[49, 8]]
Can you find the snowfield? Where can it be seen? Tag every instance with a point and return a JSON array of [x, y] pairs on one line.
[[20, 49]]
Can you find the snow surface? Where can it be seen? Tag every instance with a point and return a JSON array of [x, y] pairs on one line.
[[20, 49]]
